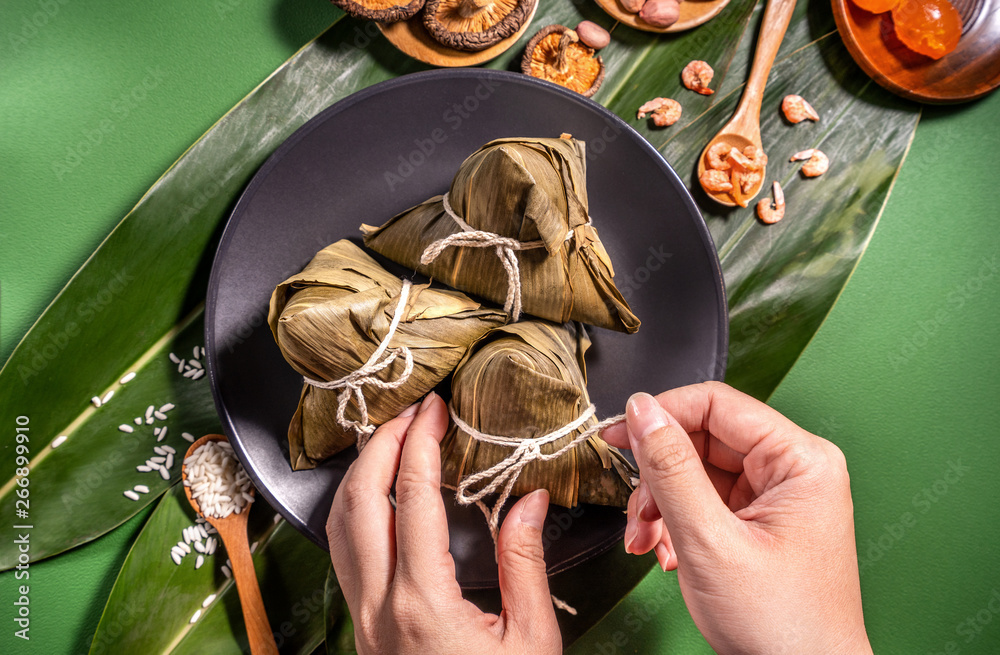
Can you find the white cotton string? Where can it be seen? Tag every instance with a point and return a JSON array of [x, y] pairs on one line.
[[505, 249], [507, 471], [354, 382]]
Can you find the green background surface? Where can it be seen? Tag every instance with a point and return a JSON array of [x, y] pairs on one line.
[[98, 98]]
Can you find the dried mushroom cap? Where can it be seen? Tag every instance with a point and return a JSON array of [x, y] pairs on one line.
[[383, 11], [475, 25], [555, 54]]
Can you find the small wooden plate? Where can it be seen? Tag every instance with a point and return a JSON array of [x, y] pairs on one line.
[[971, 71], [693, 14], [411, 38]]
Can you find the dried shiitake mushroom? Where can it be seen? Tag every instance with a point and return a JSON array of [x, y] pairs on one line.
[[555, 54], [475, 25], [383, 11]]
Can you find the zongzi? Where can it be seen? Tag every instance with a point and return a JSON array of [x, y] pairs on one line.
[[522, 382], [333, 317], [514, 228]]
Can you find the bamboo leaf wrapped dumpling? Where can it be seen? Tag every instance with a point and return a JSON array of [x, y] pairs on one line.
[[526, 380], [329, 319], [531, 192]]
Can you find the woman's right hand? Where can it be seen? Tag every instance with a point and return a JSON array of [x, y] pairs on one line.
[[755, 514]]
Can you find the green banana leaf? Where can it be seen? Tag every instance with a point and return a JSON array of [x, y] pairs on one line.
[[153, 600], [182, 214], [782, 279]]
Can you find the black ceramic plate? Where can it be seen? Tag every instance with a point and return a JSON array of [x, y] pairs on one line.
[[391, 146]]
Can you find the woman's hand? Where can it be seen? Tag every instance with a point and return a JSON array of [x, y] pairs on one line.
[[755, 514], [394, 566]]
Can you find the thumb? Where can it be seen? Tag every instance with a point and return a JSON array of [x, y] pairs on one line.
[[691, 507], [524, 587]]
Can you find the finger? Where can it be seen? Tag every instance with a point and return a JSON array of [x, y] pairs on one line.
[[737, 420], [524, 587], [361, 527], [616, 435], [692, 508], [665, 553], [421, 524]]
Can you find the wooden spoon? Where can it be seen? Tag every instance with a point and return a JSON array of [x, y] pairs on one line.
[[743, 129], [233, 532]]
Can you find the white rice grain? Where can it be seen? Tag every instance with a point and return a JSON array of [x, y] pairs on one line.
[[198, 374], [199, 561], [190, 372], [128, 378], [149, 421], [160, 415], [277, 518], [176, 558], [180, 366], [131, 494], [125, 427], [157, 459], [167, 407], [174, 358], [195, 351], [143, 469], [58, 441], [188, 437], [138, 420], [197, 615], [217, 480], [141, 488], [253, 547], [96, 400], [200, 547], [159, 451], [170, 461], [225, 571], [149, 412], [208, 600], [195, 363], [169, 449], [164, 474], [107, 397], [184, 546]]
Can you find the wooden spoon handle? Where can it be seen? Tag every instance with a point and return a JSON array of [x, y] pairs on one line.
[[258, 627], [772, 31]]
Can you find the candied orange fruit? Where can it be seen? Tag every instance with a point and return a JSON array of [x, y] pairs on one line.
[[877, 6], [930, 27]]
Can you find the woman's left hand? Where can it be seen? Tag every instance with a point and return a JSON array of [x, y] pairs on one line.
[[394, 566]]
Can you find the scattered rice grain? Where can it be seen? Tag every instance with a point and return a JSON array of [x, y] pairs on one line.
[[160, 415], [149, 412], [195, 363], [188, 437], [167, 407], [253, 547], [195, 351], [96, 401], [203, 531], [225, 571], [200, 547], [107, 397], [176, 558], [141, 488], [277, 518], [125, 427], [190, 372], [180, 367], [170, 461], [199, 561], [138, 420], [208, 601], [131, 494], [143, 468], [185, 547], [157, 459], [149, 421], [164, 474], [128, 378], [159, 451], [198, 374], [197, 615], [169, 449], [58, 441], [174, 358]]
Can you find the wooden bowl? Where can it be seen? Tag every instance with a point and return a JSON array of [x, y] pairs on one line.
[[411, 38], [970, 71], [693, 14]]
